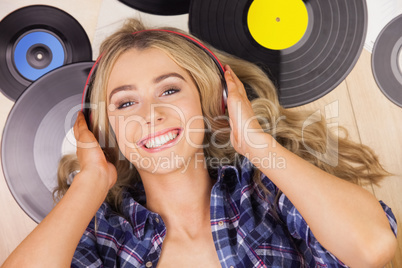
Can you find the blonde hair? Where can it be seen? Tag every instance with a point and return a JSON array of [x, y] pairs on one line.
[[355, 161]]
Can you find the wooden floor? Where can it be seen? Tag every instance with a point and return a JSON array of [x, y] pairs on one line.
[[357, 103], [373, 120]]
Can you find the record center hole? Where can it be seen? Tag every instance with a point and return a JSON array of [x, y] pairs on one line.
[[278, 19]]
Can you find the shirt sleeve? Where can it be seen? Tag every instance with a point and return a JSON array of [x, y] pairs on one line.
[[391, 217], [299, 229], [86, 254]]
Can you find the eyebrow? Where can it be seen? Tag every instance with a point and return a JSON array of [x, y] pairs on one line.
[[155, 81]]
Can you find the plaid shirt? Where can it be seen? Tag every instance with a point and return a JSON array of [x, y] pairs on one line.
[[245, 231]]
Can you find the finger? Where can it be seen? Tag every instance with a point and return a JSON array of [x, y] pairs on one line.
[[75, 127], [84, 137], [235, 80], [82, 124], [231, 84]]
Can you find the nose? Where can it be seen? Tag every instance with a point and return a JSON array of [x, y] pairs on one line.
[[154, 113], [155, 121]]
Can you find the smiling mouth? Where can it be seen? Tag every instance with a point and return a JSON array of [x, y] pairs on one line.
[[159, 141]]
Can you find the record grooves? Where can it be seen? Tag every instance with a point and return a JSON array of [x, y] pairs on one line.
[[160, 7], [387, 61], [35, 134], [304, 72], [35, 40]]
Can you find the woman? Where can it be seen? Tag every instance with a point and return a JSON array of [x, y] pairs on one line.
[[239, 190]]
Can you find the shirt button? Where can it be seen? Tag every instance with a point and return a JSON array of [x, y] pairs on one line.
[[157, 221], [148, 264], [231, 266], [220, 223]]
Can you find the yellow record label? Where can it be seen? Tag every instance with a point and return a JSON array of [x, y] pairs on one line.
[[277, 24]]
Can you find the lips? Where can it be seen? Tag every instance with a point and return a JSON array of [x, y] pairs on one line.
[[160, 139]]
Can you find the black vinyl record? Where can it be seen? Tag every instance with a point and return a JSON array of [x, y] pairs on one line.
[[386, 60], [160, 7], [38, 132], [310, 68], [35, 40]]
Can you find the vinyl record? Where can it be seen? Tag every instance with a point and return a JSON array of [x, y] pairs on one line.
[[35, 40], [38, 132], [386, 61], [160, 7], [306, 47]]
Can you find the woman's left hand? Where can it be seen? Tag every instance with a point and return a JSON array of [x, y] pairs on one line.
[[246, 133]]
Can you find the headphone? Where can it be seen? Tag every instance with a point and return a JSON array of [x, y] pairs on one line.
[[85, 102]]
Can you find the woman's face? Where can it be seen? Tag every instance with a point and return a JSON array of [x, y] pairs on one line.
[[155, 111]]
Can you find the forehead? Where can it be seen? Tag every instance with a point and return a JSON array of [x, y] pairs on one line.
[[139, 66], [144, 60]]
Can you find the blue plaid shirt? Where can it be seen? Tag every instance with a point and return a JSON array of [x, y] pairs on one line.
[[245, 231]]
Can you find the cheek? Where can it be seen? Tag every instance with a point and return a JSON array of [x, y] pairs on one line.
[[195, 125], [191, 107], [128, 131]]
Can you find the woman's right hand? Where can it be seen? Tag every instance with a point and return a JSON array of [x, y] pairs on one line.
[[90, 155], [67, 221]]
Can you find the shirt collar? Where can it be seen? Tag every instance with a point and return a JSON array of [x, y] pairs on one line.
[[133, 205], [235, 174]]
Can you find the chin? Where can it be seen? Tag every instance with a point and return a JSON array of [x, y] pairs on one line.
[[163, 168]]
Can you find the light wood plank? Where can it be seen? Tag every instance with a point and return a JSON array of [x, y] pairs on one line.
[[379, 124], [338, 111]]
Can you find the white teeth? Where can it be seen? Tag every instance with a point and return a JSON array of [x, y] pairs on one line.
[[158, 141]]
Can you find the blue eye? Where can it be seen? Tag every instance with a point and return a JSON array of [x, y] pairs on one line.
[[125, 104], [172, 91]]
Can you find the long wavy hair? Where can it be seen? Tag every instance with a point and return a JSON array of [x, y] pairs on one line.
[[355, 162]]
